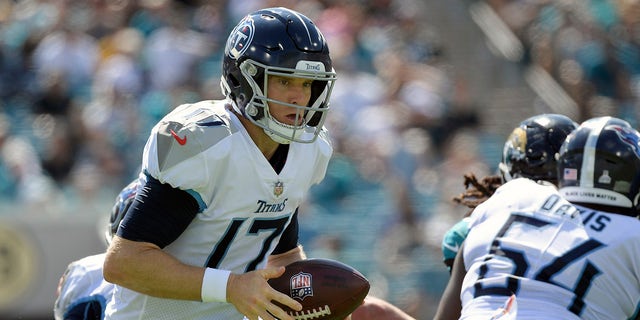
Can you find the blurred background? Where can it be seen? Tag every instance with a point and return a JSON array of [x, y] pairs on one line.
[[427, 91]]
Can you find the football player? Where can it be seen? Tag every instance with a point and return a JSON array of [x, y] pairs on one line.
[[217, 215], [82, 292], [529, 152], [565, 252]]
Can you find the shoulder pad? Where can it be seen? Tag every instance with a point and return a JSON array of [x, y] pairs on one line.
[[189, 130]]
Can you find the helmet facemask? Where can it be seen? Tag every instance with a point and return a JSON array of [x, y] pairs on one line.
[[310, 118]]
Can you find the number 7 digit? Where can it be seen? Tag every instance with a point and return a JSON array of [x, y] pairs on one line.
[[259, 225]]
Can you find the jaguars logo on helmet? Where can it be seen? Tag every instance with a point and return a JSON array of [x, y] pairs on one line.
[[531, 149]]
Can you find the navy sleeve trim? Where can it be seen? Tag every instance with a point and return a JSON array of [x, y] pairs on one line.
[[159, 214], [91, 307], [289, 239]]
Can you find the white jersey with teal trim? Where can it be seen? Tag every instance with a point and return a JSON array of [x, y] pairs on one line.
[[245, 205], [562, 261], [82, 282]]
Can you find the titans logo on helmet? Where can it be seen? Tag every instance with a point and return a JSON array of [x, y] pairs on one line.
[[628, 136], [240, 38]]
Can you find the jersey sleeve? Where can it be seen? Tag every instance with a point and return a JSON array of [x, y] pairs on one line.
[[452, 241], [289, 239], [159, 214], [174, 151], [69, 288], [78, 281], [325, 153]]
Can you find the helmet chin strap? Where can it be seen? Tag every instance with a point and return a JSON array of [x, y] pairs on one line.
[[275, 137], [280, 132]]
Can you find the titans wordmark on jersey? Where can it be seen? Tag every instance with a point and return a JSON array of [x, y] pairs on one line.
[[562, 261], [245, 205]]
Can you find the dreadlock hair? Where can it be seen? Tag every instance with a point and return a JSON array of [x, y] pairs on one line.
[[476, 192]]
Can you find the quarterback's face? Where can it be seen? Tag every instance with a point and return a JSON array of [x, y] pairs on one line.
[[289, 90]]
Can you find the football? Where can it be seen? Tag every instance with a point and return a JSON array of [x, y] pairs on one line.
[[327, 289]]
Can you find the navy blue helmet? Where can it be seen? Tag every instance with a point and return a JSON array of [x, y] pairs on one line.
[[530, 151], [282, 42], [599, 166], [123, 202]]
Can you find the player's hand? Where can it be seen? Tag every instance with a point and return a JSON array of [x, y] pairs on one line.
[[252, 296]]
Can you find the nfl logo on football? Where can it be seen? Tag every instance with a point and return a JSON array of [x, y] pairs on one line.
[[301, 286]]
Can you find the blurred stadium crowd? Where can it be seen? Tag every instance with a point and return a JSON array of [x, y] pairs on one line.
[[591, 48], [82, 82]]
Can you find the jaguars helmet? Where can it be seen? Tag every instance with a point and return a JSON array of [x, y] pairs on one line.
[[530, 151], [282, 42], [599, 165], [123, 202]]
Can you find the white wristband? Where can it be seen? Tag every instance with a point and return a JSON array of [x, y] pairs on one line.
[[214, 285]]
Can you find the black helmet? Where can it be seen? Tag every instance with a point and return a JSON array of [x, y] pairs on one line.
[[283, 42], [599, 165], [530, 151], [123, 202]]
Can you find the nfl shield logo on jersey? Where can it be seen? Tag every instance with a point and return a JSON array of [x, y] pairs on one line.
[[278, 188], [301, 286]]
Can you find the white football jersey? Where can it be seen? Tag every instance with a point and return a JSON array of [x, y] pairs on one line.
[[82, 282], [562, 261], [245, 205]]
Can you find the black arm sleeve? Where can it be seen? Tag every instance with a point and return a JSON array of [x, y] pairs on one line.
[[159, 214], [289, 239]]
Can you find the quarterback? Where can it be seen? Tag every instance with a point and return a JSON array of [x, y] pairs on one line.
[[217, 215]]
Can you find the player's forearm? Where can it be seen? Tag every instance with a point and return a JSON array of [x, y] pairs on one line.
[[286, 258], [450, 305], [146, 269]]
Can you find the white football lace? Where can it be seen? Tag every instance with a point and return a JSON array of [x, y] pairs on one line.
[[312, 314]]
